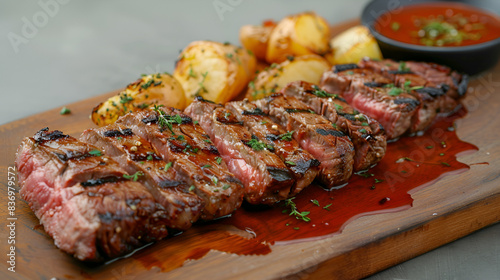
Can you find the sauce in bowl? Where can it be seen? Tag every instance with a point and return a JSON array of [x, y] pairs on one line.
[[441, 24]]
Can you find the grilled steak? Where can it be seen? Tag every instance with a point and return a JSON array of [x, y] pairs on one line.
[[366, 134], [83, 200], [369, 93], [265, 176], [177, 139], [135, 154], [315, 134], [436, 75], [300, 163]]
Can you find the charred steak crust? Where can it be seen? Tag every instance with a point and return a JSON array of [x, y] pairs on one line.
[[84, 200]]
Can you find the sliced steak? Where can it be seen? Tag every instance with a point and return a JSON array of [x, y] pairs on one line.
[[265, 176], [83, 199], [315, 134], [302, 165], [134, 154], [369, 93], [367, 135], [195, 160], [448, 85]]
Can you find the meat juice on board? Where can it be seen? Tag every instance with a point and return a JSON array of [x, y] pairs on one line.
[[411, 163]]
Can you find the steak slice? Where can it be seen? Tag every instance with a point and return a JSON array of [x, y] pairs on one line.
[[302, 165], [83, 200], [367, 135], [265, 176], [367, 92], [433, 76], [134, 154], [193, 157], [315, 134]]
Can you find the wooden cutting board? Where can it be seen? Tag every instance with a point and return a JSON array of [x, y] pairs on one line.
[[442, 212]]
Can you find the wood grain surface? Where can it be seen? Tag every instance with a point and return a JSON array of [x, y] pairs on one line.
[[451, 208]]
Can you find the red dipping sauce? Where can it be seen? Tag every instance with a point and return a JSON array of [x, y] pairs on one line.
[[440, 24]]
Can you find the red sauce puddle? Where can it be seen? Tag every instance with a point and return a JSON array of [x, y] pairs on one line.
[[411, 163]]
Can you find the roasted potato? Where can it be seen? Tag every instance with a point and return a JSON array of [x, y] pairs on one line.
[[255, 38], [150, 89], [352, 45], [214, 71], [307, 68], [296, 35]]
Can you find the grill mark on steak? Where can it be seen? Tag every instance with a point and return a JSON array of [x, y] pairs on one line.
[[44, 135], [366, 134], [116, 133], [265, 176], [413, 103], [279, 174], [335, 153], [333, 132], [100, 181], [344, 67]]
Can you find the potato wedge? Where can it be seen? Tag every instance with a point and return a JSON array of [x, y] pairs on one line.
[[150, 89], [256, 37], [214, 71], [307, 68], [352, 45], [296, 35]]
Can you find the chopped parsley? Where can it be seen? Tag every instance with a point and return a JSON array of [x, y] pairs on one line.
[[338, 107], [226, 186], [96, 153], [321, 93], [192, 188], [134, 176], [257, 145], [395, 91], [206, 166], [286, 136], [167, 166], [218, 160], [378, 181], [295, 212], [290, 163], [65, 111], [150, 157], [402, 67]]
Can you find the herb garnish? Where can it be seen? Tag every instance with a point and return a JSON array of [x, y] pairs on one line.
[[167, 166], [96, 153], [315, 202], [294, 211], [321, 93], [218, 160], [65, 111], [257, 145], [134, 176], [286, 136]]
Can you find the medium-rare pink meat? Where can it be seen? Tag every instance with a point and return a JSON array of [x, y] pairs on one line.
[[368, 92], [196, 160], [134, 154], [316, 135], [367, 135], [84, 200], [302, 165], [265, 176]]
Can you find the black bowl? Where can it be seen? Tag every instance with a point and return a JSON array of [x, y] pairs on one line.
[[471, 59]]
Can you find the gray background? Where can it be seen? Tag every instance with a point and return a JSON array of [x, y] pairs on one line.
[[89, 48]]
